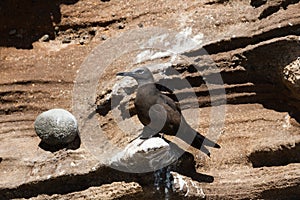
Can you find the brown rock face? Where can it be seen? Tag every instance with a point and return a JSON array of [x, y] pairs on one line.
[[253, 45]]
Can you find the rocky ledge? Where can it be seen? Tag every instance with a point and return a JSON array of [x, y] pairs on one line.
[[254, 45]]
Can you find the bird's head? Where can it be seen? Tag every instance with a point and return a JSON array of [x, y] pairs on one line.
[[142, 75]]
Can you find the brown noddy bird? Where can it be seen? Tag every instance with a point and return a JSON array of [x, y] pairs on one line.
[[161, 114]]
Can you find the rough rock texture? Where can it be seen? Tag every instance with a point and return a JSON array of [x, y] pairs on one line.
[[291, 76], [143, 156], [254, 44], [56, 127]]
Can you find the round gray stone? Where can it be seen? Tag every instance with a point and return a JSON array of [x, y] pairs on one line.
[[56, 127]]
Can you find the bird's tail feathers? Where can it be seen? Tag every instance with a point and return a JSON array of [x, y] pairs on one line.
[[196, 140], [200, 140], [205, 150]]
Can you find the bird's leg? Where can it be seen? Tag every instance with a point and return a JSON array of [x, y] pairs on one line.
[[168, 182], [163, 177], [147, 133], [157, 178], [135, 138]]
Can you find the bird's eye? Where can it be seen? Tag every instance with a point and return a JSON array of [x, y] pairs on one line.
[[140, 71]]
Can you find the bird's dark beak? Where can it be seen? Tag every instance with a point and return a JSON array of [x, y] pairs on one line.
[[125, 74]]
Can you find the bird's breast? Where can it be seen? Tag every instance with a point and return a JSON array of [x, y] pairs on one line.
[[143, 102]]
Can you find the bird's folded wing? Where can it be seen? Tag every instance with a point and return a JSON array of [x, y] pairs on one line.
[[158, 117], [169, 103]]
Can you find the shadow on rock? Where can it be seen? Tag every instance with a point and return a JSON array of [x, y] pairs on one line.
[[185, 165], [24, 22], [75, 144]]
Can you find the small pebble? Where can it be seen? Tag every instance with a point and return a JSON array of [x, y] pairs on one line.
[[82, 41], [85, 37], [66, 40], [12, 32], [217, 23], [45, 38], [121, 26], [140, 25], [103, 37], [244, 19], [19, 35], [56, 28]]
